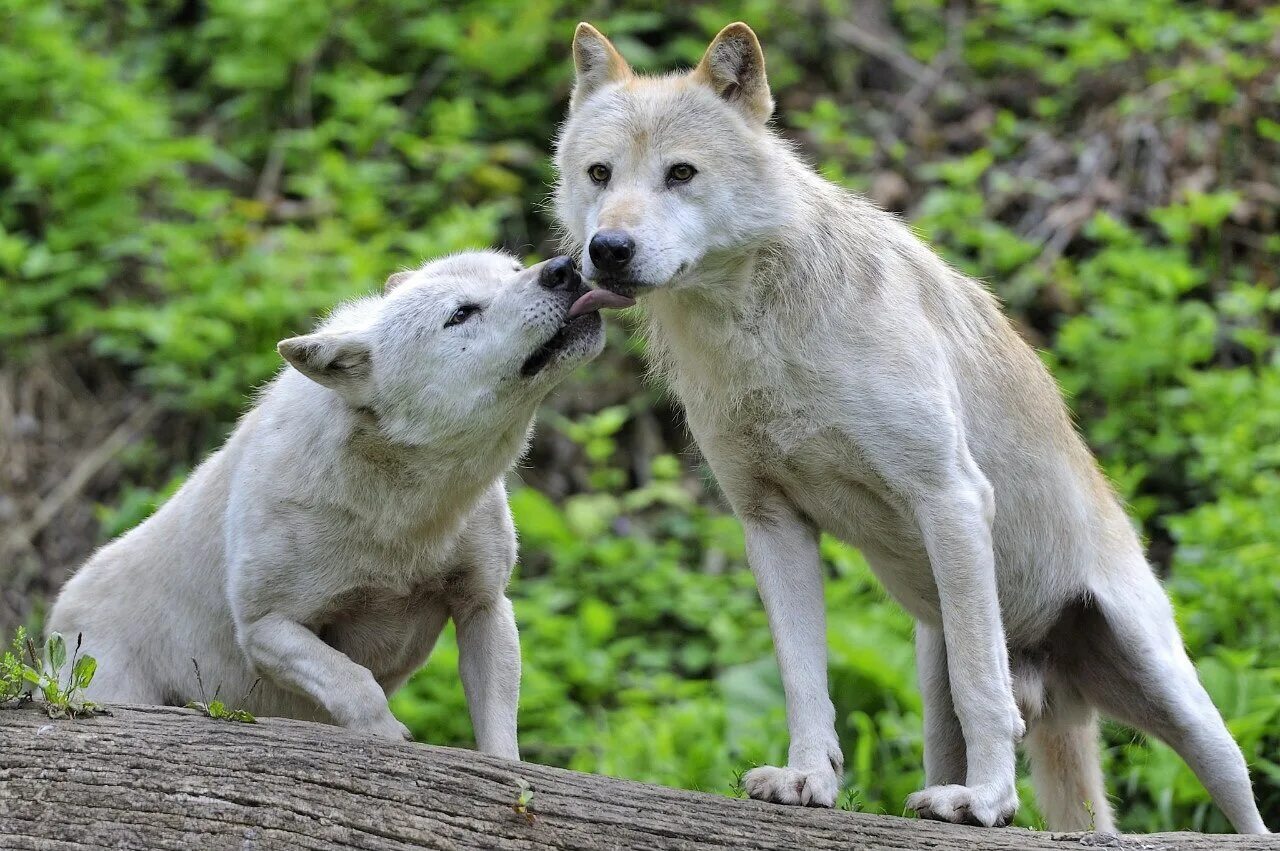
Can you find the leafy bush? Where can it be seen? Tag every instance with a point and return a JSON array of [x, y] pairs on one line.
[[185, 184]]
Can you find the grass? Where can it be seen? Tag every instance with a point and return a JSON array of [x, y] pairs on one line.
[[219, 709]]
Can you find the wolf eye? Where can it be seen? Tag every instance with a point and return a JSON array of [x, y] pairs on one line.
[[599, 173], [681, 173], [462, 314]]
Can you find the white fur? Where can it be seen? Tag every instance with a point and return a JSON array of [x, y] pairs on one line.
[[839, 377], [355, 509]]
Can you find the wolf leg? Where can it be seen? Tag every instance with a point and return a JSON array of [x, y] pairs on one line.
[[294, 657], [1066, 767], [783, 551], [956, 526], [489, 663], [121, 679], [1138, 672], [944, 757]]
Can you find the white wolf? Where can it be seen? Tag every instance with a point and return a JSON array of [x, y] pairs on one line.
[[839, 377], [354, 510]]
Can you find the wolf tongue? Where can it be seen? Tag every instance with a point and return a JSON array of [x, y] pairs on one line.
[[595, 299]]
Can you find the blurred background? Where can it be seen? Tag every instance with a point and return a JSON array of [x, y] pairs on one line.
[[185, 182]]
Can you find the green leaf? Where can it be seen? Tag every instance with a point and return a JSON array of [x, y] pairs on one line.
[[57, 648], [53, 693], [82, 675]]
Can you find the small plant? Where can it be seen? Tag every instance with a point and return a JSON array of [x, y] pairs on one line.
[[218, 709], [850, 800], [524, 797], [12, 683], [736, 789], [62, 699]]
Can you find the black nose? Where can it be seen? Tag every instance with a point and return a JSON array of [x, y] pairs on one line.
[[611, 250], [559, 273]]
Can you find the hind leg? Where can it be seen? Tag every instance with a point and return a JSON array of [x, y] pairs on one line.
[[1066, 767], [121, 676], [1138, 672], [120, 679]]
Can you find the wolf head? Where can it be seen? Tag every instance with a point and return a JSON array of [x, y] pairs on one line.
[[664, 176], [470, 341]]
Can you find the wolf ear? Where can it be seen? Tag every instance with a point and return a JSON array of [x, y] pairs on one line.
[[596, 63], [340, 361], [395, 280], [733, 67]]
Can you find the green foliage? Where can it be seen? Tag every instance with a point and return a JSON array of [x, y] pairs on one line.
[[62, 697], [218, 709], [11, 669], [183, 185]]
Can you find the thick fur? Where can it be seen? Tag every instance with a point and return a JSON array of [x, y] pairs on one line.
[[355, 509], [839, 377]]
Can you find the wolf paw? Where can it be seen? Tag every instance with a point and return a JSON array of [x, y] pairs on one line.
[[815, 787], [982, 806], [384, 727]]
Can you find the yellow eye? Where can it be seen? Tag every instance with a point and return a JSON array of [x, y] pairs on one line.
[[681, 173], [599, 173]]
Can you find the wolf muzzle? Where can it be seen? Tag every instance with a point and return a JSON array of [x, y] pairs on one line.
[[559, 274], [611, 250]]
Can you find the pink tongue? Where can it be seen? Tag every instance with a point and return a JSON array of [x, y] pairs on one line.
[[593, 300]]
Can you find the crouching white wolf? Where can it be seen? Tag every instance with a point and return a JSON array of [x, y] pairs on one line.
[[357, 507], [838, 376]]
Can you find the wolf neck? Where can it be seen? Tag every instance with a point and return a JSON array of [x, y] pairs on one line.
[[751, 319], [402, 490], [475, 459]]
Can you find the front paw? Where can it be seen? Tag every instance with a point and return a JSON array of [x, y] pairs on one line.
[[384, 726], [814, 787], [983, 806]]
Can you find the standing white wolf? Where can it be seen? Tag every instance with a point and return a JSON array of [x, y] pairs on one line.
[[839, 377], [354, 510]]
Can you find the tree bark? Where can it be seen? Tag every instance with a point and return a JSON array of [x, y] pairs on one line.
[[153, 777]]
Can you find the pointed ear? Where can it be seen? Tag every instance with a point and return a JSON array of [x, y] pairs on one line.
[[596, 63], [341, 361], [395, 280], [733, 67]]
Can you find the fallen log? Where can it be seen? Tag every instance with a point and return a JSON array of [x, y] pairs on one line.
[[152, 777]]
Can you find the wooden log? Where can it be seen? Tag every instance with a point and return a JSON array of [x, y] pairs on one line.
[[158, 778]]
